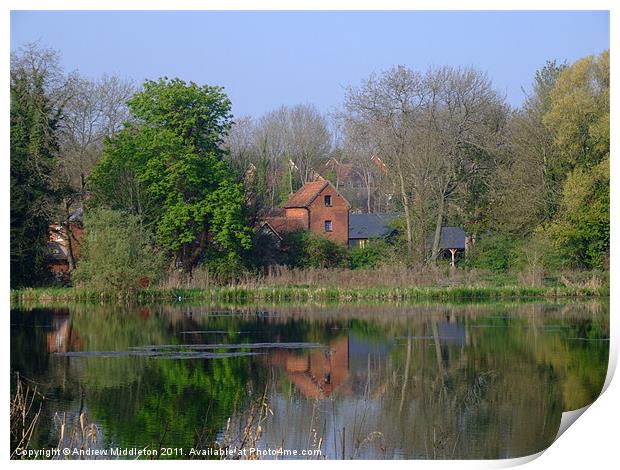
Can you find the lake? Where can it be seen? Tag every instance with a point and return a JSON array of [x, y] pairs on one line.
[[474, 381]]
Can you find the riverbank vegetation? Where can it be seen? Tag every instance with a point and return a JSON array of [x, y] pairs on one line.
[[172, 186], [339, 286]]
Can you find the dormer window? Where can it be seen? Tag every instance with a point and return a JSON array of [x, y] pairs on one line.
[[328, 225], [328, 201]]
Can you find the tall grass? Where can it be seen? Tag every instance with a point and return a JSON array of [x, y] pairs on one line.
[[397, 276], [241, 295], [281, 284]]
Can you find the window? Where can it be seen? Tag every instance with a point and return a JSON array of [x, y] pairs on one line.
[[328, 201], [362, 243], [328, 225]]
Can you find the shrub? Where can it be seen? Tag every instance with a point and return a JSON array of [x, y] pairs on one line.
[[369, 256], [117, 252], [222, 268], [497, 253], [304, 249]]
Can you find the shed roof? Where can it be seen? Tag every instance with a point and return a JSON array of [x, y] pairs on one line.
[[451, 237], [364, 226]]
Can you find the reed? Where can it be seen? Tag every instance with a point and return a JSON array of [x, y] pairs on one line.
[[25, 411], [302, 294], [75, 433]]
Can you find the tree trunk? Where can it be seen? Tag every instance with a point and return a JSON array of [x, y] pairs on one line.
[[192, 260], [66, 224], [368, 184], [437, 236], [407, 212], [70, 256]]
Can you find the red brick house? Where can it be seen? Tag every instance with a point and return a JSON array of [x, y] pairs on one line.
[[62, 240], [317, 207]]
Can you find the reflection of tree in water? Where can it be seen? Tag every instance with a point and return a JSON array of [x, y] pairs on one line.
[[478, 381]]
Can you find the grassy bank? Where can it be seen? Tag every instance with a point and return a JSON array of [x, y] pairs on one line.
[[240, 294]]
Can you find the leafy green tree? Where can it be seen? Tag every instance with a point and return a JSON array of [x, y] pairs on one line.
[[579, 111], [526, 186], [169, 168], [579, 121], [117, 252], [581, 230], [33, 122]]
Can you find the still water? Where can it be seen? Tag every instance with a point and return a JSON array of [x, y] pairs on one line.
[[478, 381]]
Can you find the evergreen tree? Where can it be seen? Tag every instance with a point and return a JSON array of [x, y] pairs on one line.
[[33, 148]]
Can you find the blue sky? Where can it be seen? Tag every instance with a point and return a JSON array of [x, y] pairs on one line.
[[267, 59]]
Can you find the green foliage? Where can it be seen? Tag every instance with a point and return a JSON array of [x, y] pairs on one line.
[[497, 253], [539, 252], [579, 111], [369, 256], [527, 183], [556, 181], [170, 169], [581, 230], [579, 120], [304, 249], [33, 149], [117, 252]]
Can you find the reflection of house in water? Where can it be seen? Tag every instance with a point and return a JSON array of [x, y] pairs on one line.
[[318, 373], [63, 337]]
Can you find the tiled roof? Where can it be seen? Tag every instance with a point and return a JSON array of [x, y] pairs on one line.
[[56, 251], [363, 226], [285, 224], [306, 194]]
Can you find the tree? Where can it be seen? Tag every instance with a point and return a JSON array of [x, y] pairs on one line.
[[358, 150], [579, 111], [117, 252], [33, 151], [468, 121], [308, 139], [385, 109], [527, 184], [180, 183], [427, 129], [578, 119], [93, 111], [278, 152]]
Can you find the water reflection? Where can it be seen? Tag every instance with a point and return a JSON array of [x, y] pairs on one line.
[[473, 381]]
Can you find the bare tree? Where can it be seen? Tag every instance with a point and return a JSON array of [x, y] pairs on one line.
[[308, 140], [241, 144], [279, 150], [467, 117], [358, 150], [93, 110], [423, 127], [385, 109]]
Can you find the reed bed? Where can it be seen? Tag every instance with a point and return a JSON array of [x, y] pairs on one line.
[[282, 284], [302, 294]]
